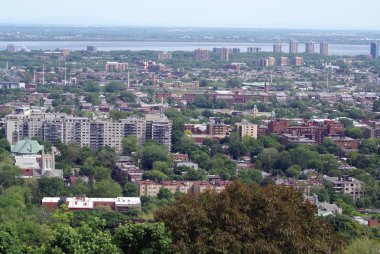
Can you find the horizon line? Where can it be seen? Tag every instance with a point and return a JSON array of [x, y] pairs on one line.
[[187, 27]]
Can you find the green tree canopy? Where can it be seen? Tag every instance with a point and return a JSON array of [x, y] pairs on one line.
[[114, 87], [130, 145], [248, 219], [106, 189], [83, 239], [153, 152], [143, 238]]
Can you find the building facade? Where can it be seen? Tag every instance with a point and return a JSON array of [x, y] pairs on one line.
[[309, 47], [277, 48], [224, 54], [201, 55], [324, 48], [246, 128], [164, 56], [85, 132], [347, 185], [119, 204], [293, 46], [116, 67], [374, 50]]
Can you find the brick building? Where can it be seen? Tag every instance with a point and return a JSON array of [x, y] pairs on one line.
[[151, 188], [120, 204]]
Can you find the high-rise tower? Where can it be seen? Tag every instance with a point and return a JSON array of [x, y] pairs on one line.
[[374, 50], [324, 48], [293, 46]]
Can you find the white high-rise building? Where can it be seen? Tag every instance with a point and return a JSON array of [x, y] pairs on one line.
[[85, 132]]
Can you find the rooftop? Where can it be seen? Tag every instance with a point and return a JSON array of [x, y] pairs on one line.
[[27, 146]]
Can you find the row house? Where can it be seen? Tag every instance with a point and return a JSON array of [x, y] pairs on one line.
[[151, 188]]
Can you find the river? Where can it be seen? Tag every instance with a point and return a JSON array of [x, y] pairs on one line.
[[334, 49]]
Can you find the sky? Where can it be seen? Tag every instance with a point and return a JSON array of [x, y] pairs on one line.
[[317, 14]]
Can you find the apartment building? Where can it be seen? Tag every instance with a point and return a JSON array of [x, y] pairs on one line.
[[324, 48], [246, 128], [201, 55], [347, 185], [159, 128], [151, 188], [115, 67], [164, 56], [85, 132]]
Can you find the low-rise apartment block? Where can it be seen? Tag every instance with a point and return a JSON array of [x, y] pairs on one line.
[[151, 188], [347, 185]]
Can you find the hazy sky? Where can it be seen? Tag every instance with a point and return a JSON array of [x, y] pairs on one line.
[[317, 14]]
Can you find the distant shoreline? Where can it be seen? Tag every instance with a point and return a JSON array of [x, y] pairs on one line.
[[104, 45], [178, 41]]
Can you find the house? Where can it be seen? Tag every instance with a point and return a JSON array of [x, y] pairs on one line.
[[324, 208]]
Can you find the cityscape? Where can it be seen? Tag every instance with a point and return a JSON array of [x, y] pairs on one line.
[[129, 138]]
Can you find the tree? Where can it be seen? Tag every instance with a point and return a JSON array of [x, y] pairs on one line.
[[80, 188], [101, 173], [52, 187], [93, 98], [130, 190], [165, 193], [329, 162], [152, 152], [88, 167], [249, 176], [114, 87], [193, 174], [346, 122], [345, 226], [376, 105], [118, 114], [203, 83], [83, 239], [268, 157], [356, 133], [163, 166], [130, 145], [233, 83], [91, 87], [202, 101], [363, 246], [293, 171], [9, 175], [143, 238], [127, 96], [235, 145], [106, 189], [10, 242], [276, 219], [155, 175], [106, 157]]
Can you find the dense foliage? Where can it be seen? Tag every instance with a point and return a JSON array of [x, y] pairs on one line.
[[248, 219]]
